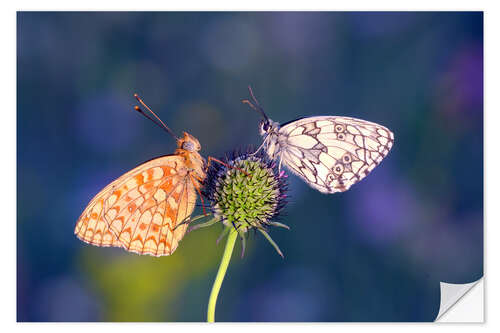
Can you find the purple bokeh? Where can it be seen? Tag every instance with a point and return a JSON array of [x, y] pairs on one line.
[[293, 294], [301, 34], [384, 24], [384, 210], [106, 123], [64, 299], [460, 89]]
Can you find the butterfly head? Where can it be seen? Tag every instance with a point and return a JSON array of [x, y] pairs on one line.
[[267, 126], [189, 143]]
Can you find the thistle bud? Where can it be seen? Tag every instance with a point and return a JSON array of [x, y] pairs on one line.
[[247, 192]]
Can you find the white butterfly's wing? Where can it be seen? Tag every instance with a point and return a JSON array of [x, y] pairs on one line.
[[333, 153]]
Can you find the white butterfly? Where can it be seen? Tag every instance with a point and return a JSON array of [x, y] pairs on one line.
[[330, 153]]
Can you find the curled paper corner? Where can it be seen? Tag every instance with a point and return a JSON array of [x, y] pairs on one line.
[[451, 297]]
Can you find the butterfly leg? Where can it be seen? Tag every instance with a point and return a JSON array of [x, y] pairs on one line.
[[189, 220], [197, 187], [210, 159], [260, 147]]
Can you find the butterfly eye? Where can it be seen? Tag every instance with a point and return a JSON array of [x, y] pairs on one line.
[[339, 128], [338, 169], [188, 145], [264, 125], [347, 158], [340, 136]]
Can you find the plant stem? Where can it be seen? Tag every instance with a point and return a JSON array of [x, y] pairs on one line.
[[228, 251]]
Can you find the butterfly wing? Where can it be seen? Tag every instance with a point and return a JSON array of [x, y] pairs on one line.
[[333, 153], [140, 210]]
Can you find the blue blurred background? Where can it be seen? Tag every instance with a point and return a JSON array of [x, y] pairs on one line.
[[374, 253]]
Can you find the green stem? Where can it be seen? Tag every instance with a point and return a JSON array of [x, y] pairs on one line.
[[228, 251]]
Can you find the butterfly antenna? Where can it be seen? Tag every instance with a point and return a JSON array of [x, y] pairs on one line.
[[255, 106], [138, 109], [158, 121]]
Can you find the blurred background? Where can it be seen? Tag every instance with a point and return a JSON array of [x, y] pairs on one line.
[[374, 253]]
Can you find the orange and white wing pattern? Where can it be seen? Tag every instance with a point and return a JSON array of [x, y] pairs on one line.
[[140, 210], [333, 153]]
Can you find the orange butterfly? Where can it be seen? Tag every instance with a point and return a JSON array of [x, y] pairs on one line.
[[143, 210]]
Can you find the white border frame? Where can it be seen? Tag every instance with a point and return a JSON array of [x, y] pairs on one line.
[[8, 199]]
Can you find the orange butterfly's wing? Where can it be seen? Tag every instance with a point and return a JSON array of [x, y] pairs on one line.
[[140, 210]]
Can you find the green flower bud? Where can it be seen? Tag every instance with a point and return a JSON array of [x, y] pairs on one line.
[[246, 193]]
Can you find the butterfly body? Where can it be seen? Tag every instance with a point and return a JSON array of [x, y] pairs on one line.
[[142, 210], [188, 148], [330, 153], [271, 136]]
